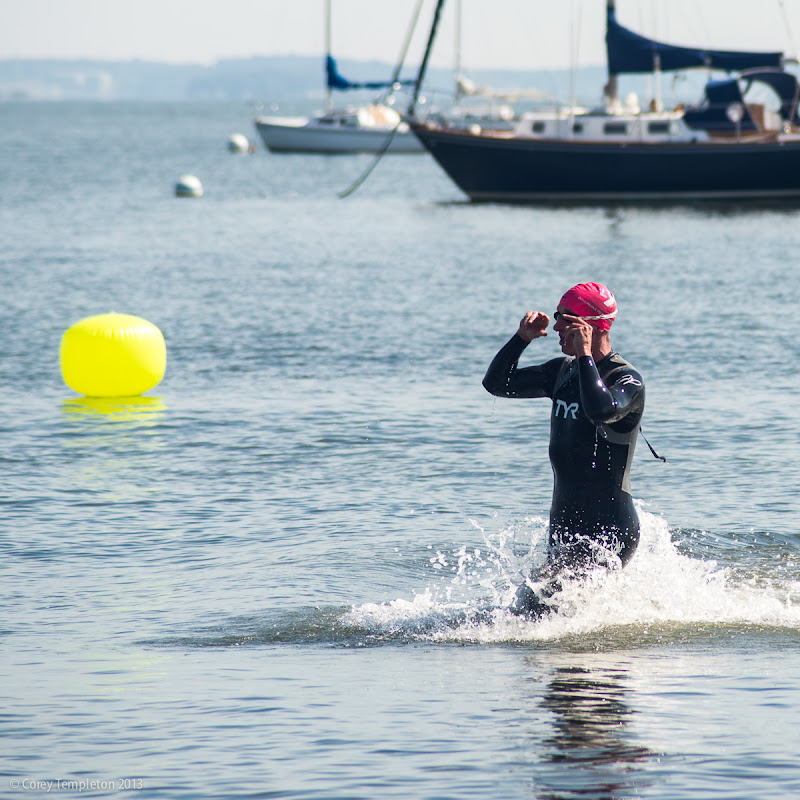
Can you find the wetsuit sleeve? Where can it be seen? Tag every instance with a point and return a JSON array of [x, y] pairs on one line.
[[505, 379], [603, 404]]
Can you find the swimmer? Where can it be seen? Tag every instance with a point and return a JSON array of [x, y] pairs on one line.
[[598, 401]]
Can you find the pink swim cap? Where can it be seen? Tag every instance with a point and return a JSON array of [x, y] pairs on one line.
[[593, 302]]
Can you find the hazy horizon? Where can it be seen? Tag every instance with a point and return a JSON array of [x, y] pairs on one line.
[[506, 34]]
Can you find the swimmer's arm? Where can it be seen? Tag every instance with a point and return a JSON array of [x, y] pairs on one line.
[[505, 379], [602, 404]]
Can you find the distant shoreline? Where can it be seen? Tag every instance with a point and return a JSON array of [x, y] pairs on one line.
[[266, 79]]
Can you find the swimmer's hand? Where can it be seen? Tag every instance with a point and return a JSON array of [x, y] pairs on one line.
[[576, 336], [533, 325]]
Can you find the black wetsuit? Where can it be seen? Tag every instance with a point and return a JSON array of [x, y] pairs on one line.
[[594, 424]]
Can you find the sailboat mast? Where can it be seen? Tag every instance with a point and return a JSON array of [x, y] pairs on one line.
[[423, 67], [610, 89], [328, 93]]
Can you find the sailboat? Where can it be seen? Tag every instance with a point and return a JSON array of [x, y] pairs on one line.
[[723, 148], [367, 128]]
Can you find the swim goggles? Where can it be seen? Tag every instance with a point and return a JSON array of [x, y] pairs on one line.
[[558, 315]]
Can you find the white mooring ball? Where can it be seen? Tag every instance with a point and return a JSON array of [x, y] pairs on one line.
[[188, 186], [238, 143]]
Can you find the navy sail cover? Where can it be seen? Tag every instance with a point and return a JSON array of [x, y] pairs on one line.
[[337, 81], [630, 52]]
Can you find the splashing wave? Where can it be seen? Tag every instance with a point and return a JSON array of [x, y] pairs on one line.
[[661, 592], [663, 595]]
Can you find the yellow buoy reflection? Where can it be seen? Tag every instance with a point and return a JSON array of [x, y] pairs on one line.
[[117, 409]]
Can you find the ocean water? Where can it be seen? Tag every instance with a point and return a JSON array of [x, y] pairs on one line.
[[282, 573]]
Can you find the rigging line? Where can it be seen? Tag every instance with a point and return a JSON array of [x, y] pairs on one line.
[[705, 30], [423, 67], [395, 76], [788, 29], [574, 46], [366, 173], [404, 51]]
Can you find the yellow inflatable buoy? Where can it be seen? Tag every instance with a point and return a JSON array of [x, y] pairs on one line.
[[113, 355]]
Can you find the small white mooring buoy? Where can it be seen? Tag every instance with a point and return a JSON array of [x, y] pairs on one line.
[[238, 143], [188, 186]]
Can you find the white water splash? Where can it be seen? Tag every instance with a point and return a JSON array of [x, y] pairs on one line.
[[660, 589]]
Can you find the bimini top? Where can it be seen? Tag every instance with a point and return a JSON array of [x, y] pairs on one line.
[[339, 82], [724, 108], [630, 52], [784, 84]]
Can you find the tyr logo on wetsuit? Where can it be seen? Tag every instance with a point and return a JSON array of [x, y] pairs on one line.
[[571, 409]]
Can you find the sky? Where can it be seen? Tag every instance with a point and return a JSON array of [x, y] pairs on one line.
[[515, 34]]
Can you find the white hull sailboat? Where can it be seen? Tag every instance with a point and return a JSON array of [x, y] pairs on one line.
[[359, 130], [371, 128]]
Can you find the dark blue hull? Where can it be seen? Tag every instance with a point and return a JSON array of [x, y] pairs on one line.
[[492, 167]]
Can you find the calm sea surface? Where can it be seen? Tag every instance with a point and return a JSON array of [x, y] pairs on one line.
[[282, 573]]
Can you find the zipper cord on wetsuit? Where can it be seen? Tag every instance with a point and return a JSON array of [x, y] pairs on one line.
[[656, 455]]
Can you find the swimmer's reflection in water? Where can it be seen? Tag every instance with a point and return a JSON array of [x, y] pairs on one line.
[[592, 735], [598, 401]]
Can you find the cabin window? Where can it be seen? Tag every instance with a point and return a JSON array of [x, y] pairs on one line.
[[658, 127], [538, 127], [326, 121], [615, 127], [577, 127]]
